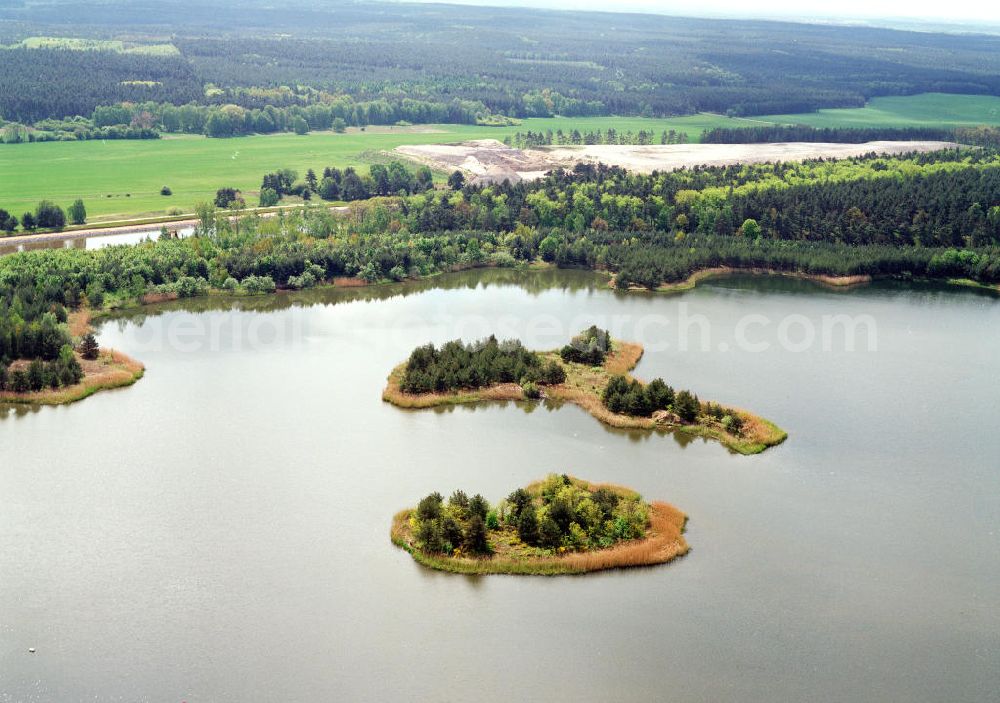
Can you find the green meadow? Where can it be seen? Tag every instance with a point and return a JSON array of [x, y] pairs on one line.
[[122, 179], [925, 110]]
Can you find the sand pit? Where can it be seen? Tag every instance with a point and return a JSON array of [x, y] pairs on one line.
[[488, 160]]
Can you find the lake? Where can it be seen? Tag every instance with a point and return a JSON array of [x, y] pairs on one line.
[[219, 531]]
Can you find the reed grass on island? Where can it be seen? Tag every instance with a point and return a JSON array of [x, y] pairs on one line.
[[111, 369], [514, 542], [584, 385]]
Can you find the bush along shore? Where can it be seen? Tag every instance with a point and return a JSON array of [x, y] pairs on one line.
[[561, 525], [591, 371]]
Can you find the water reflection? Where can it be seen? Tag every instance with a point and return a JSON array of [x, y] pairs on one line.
[[234, 504], [94, 241]]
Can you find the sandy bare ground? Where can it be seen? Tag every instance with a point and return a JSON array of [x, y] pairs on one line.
[[489, 160]]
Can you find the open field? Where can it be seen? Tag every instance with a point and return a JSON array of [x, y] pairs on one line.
[[925, 110], [492, 160], [132, 172], [77, 44]]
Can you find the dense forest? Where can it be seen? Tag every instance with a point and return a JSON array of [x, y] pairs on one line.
[[467, 366], [523, 62], [944, 198], [842, 135]]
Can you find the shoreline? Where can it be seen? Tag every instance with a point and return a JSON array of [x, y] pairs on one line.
[[705, 274], [79, 324], [119, 371], [761, 433]]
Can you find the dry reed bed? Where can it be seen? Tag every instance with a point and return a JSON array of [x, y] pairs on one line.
[[583, 386], [719, 271], [111, 369]]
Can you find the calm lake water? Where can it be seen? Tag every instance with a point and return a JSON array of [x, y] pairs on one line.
[[219, 531]]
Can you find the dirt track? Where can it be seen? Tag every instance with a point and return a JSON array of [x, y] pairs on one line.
[[491, 160]]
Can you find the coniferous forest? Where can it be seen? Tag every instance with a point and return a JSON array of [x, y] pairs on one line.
[[421, 68]]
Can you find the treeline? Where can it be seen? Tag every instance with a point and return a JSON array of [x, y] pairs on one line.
[[630, 397], [984, 136], [469, 366], [522, 140], [336, 185], [334, 112], [38, 375], [949, 198], [764, 134], [661, 261], [70, 130], [300, 250], [32, 326], [47, 215]]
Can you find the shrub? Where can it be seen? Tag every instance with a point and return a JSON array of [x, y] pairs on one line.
[[49, 215], [269, 197], [77, 212], [589, 347], [165, 190], [527, 525], [475, 536], [257, 285], [303, 280], [530, 390], [226, 197], [686, 406]]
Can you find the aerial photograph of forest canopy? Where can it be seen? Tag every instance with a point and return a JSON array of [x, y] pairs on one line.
[[508, 349]]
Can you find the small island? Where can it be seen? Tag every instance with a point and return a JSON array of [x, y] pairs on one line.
[[591, 371], [562, 525]]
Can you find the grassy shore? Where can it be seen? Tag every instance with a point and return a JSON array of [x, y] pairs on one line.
[[583, 386], [664, 541], [720, 271], [111, 369]]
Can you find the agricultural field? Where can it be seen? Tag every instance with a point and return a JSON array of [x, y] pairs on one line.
[[122, 179], [924, 110], [78, 44]]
